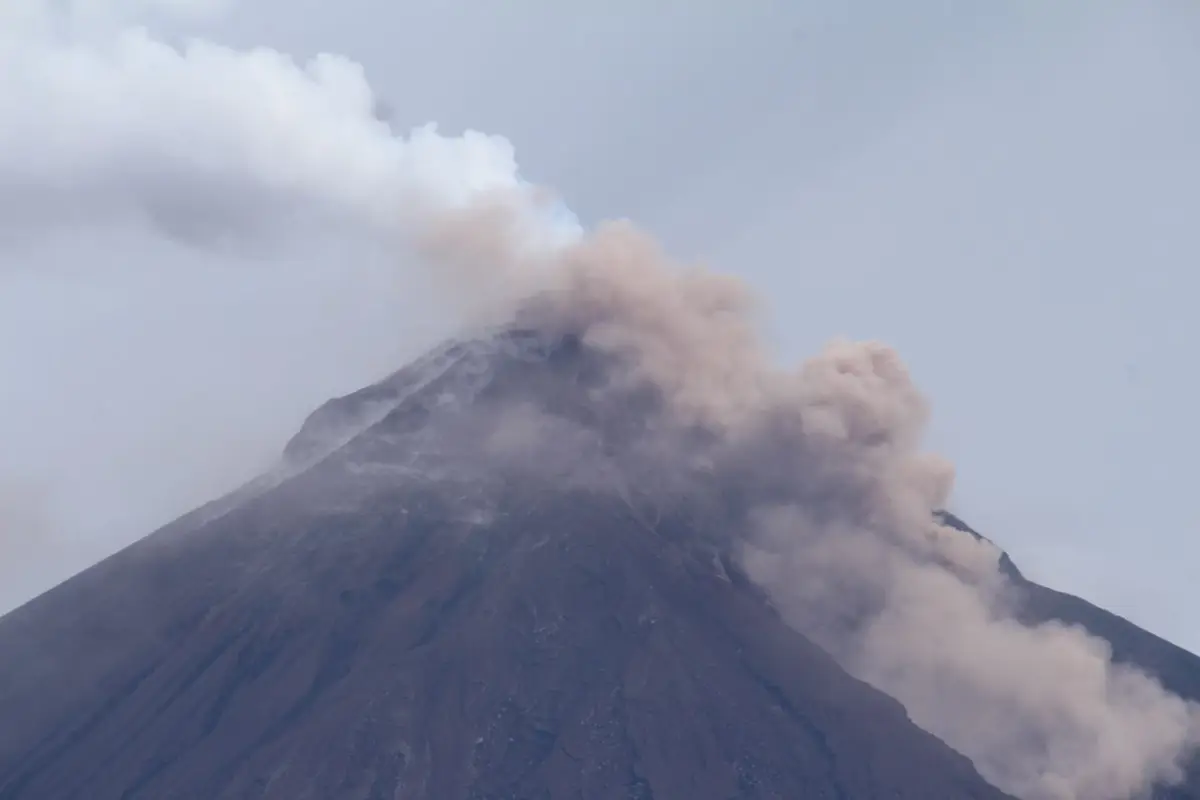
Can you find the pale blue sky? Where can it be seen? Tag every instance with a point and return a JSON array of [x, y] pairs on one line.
[[1004, 191]]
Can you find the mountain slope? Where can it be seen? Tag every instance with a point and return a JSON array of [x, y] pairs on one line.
[[474, 579], [392, 616]]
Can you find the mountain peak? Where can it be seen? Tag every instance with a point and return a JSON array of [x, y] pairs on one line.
[[506, 571]]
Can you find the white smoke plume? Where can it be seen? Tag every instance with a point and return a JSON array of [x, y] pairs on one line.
[[103, 121], [211, 143]]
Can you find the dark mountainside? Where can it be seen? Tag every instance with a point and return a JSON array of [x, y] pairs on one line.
[[406, 610]]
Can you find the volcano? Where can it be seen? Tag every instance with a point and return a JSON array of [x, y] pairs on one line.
[[479, 578]]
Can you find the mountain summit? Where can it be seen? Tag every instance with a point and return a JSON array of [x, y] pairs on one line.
[[502, 572]]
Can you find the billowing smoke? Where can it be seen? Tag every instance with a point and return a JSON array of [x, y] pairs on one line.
[[215, 145], [839, 529]]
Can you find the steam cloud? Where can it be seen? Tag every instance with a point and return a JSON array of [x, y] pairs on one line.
[[210, 143], [213, 144]]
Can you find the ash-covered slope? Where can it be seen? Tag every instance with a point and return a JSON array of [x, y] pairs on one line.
[[436, 600]]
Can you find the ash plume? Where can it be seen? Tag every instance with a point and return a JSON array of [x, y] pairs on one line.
[[838, 527], [836, 517], [835, 495]]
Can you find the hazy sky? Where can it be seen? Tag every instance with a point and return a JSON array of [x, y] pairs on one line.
[[1004, 191]]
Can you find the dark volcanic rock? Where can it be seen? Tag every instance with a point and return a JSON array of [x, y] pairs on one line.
[[560, 652], [386, 619]]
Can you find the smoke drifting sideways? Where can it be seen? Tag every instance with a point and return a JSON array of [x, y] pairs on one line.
[[210, 143]]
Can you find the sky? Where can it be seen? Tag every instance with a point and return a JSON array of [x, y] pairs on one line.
[[1003, 191]]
